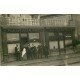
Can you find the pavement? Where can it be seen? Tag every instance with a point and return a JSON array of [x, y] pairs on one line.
[[56, 60]]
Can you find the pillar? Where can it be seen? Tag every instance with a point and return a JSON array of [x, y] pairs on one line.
[[4, 45], [59, 46], [64, 43]]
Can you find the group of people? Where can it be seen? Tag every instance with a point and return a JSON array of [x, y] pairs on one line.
[[31, 52]]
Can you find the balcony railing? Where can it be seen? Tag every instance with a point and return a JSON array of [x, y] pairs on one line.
[[19, 22], [52, 22], [36, 22], [25, 22]]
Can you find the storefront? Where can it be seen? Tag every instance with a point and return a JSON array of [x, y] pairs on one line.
[[54, 37]]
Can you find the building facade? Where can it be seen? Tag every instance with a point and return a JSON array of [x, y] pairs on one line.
[[21, 29]]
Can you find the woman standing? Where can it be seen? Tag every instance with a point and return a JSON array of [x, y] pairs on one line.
[[24, 54]]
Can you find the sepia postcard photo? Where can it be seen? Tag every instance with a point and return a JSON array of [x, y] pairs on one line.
[[40, 39]]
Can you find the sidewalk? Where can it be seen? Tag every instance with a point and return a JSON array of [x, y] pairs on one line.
[[71, 58], [27, 62], [34, 61]]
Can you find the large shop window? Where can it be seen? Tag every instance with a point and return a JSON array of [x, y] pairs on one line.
[[11, 47], [12, 36], [53, 45], [68, 42]]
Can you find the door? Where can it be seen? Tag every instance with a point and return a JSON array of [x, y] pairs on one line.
[[24, 40]]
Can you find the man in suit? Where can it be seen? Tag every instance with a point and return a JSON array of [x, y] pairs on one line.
[[45, 51], [17, 53]]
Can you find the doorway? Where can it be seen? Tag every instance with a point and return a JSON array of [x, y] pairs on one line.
[[24, 40]]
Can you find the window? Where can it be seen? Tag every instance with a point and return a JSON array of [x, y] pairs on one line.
[[3, 15], [8, 15], [60, 34], [23, 34], [12, 36], [61, 44], [23, 19], [33, 35], [51, 34], [11, 47], [53, 44]]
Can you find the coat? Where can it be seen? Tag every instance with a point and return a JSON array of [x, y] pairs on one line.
[[23, 52]]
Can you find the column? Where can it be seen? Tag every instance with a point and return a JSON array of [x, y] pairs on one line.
[[5, 49], [59, 46], [64, 43], [47, 38]]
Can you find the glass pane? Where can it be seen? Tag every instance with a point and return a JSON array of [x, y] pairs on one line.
[[13, 36], [53, 45], [11, 47], [68, 42], [61, 44], [33, 35], [23, 34]]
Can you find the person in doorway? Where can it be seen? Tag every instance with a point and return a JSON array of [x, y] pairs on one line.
[[45, 51], [17, 52], [28, 51], [33, 51], [40, 51]]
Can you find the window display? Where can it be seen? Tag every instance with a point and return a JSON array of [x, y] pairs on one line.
[[11, 47], [53, 44]]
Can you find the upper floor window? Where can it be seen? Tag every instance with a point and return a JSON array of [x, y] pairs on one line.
[[8, 15], [51, 34], [60, 34]]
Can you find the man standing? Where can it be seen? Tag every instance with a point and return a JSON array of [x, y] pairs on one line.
[[28, 51], [40, 51], [17, 52], [45, 51], [33, 51]]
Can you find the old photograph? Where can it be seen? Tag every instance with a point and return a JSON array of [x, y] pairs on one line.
[[40, 39]]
